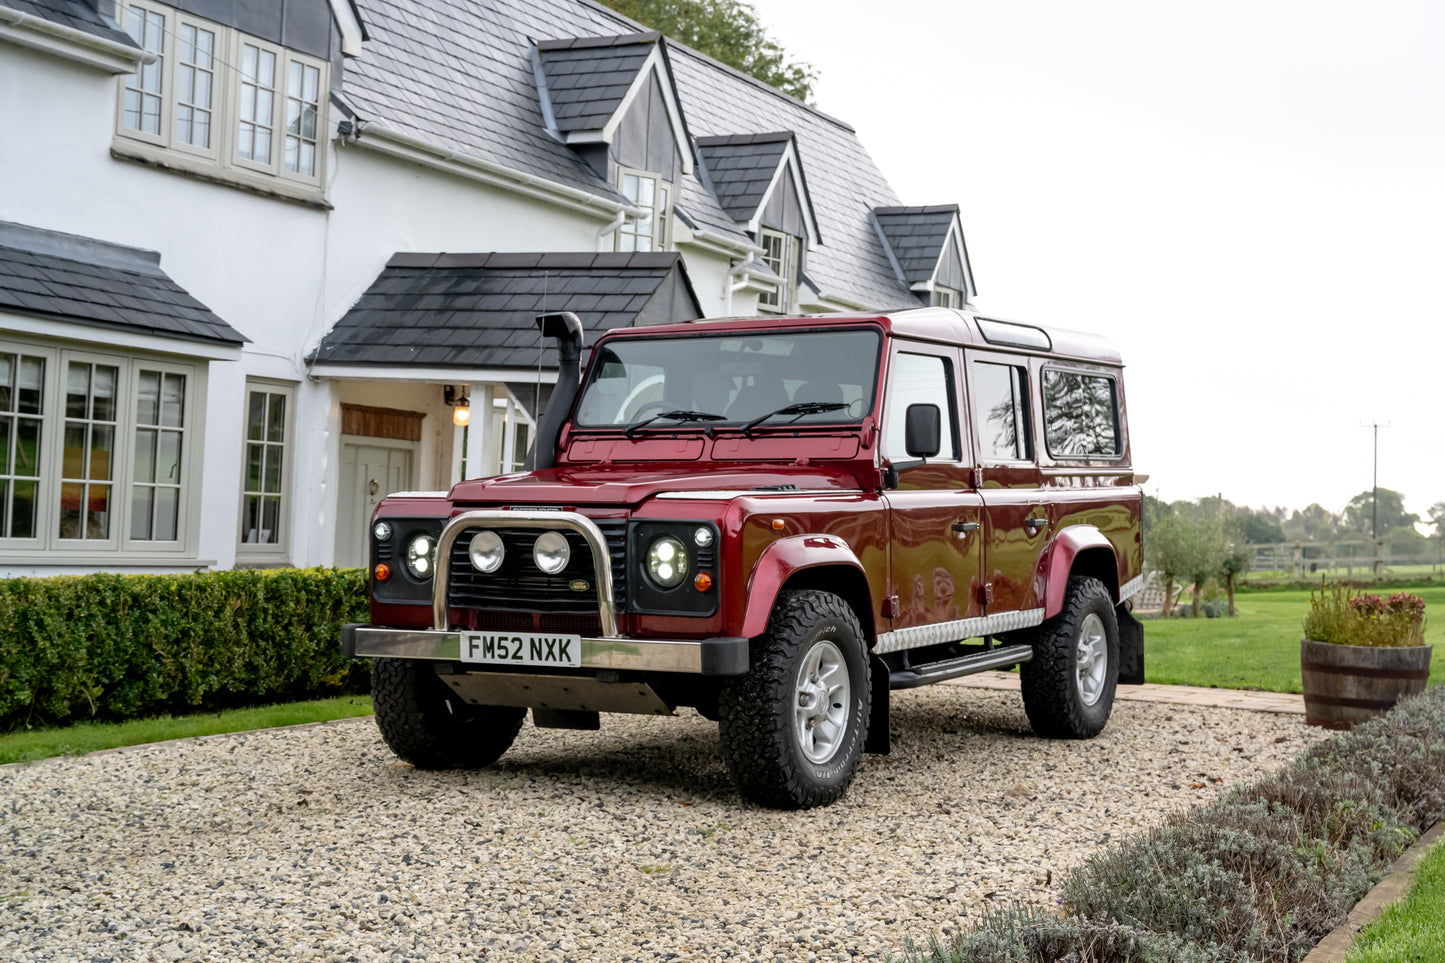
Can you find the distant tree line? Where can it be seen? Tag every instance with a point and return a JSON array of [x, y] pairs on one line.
[[1197, 542]]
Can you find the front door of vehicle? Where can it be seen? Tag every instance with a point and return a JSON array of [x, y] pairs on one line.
[[935, 515], [1017, 518]]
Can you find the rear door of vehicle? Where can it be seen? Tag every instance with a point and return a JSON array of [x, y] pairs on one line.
[[1016, 517], [936, 517]]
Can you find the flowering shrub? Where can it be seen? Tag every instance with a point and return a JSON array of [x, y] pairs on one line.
[[1336, 615]]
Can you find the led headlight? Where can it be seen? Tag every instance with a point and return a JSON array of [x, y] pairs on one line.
[[702, 538], [382, 531], [667, 562], [486, 551], [421, 556], [551, 552]]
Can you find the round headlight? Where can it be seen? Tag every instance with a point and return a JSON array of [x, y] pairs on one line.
[[702, 538], [551, 552], [486, 551], [382, 531], [667, 562], [421, 556]]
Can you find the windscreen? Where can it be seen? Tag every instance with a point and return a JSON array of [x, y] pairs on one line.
[[735, 378]]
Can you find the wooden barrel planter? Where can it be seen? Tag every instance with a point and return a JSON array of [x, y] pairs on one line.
[[1345, 685]]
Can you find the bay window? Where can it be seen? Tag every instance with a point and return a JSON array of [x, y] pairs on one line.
[[97, 453]]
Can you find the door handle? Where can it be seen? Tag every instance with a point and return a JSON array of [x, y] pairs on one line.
[[965, 528], [1036, 523]]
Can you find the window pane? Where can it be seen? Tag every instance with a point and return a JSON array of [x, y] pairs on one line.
[[271, 520], [145, 455], [5, 424], [311, 85], [253, 467], [74, 451], [77, 390], [102, 446], [148, 397], [629, 186], [251, 520], [22, 510], [27, 448], [256, 417], [98, 512], [103, 403], [173, 400], [261, 152], [918, 379], [72, 495], [1000, 411], [293, 79], [168, 460], [32, 376], [273, 469], [1080, 414], [276, 418], [142, 503], [167, 514]]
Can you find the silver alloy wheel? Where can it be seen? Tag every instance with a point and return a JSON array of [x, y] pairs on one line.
[[1091, 654], [820, 709]]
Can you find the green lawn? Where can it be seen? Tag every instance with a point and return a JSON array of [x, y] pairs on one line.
[[1414, 928], [91, 736], [1259, 648]]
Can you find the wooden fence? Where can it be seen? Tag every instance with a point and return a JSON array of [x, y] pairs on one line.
[[1358, 558]]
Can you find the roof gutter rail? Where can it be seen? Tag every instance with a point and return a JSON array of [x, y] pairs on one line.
[[384, 140], [28, 30]]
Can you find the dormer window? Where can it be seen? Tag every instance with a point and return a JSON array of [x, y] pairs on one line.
[[652, 194], [780, 253], [947, 297], [239, 105]]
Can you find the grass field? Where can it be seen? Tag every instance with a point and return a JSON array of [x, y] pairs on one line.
[[1259, 648], [91, 736], [1414, 928]]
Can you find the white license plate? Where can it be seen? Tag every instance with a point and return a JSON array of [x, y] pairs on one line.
[[522, 648]]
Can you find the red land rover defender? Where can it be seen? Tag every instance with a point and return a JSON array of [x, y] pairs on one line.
[[776, 521]]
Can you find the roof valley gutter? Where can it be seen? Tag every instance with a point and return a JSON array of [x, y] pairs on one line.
[[396, 144], [127, 55]]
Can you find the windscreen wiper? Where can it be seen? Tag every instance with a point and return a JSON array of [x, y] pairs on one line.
[[680, 415], [797, 409]]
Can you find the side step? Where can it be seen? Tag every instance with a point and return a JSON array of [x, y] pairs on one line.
[[964, 665]]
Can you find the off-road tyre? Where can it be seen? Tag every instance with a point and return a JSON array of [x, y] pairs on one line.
[[1063, 698], [760, 713], [430, 726]]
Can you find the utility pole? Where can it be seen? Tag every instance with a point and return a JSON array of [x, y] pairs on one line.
[[1375, 482]]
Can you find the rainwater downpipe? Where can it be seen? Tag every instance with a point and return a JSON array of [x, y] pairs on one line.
[[729, 285], [611, 226]]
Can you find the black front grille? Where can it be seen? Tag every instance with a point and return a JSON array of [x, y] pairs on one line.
[[520, 586]]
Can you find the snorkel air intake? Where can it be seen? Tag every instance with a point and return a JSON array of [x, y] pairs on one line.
[[566, 328]]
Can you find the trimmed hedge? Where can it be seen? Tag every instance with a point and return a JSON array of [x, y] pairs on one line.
[[1262, 874], [111, 647]]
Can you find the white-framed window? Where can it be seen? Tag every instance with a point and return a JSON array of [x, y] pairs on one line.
[[270, 415], [780, 253], [653, 195], [98, 453], [238, 103], [947, 297]]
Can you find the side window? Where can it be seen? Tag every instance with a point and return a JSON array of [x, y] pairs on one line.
[[1001, 411], [1081, 415], [920, 379], [265, 499]]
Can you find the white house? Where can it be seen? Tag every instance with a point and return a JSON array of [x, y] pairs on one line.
[[254, 257]]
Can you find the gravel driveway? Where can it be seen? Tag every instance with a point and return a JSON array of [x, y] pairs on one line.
[[624, 844]]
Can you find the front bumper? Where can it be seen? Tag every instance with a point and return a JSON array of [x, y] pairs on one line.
[[720, 656]]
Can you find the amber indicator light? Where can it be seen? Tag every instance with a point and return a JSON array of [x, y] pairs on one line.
[[778, 524], [382, 572], [703, 582]]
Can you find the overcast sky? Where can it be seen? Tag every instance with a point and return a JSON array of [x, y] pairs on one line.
[[1247, 196]]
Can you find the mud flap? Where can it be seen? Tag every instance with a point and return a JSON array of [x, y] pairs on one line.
[[1131, 647], [878, 741]]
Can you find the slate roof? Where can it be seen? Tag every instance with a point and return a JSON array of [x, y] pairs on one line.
[[82, 280], [77, 14], [917, 236], [459, 73], [587, 77], [479, 310], [741, 166]]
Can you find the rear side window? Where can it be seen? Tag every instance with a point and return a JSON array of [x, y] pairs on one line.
[[1001, 411], [1081, 415]]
